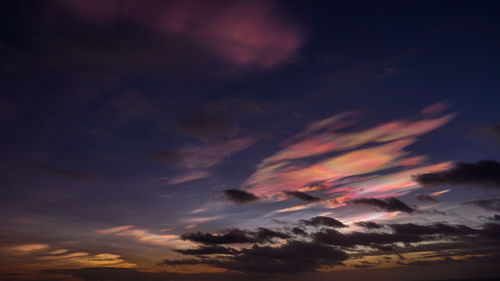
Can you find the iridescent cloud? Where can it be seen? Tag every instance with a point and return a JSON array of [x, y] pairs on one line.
[[349, 173]]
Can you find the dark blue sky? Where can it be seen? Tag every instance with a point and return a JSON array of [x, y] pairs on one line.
[[176, 140]]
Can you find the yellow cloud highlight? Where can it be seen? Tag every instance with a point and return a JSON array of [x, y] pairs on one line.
[[28, 248]]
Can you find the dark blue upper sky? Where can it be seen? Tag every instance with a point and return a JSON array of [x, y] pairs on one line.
[[134, 131]]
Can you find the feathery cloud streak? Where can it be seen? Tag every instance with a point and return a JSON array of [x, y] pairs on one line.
[[356, 155]]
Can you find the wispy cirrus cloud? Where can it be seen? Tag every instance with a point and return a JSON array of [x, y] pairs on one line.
[[329, 156], [145, 236], [195, 161]]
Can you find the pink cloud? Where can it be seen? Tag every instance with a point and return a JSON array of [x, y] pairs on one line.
[[352, 168], [274, 179], [113, 229], [211, 154], [320, 143], [196, 160], [240, 32]]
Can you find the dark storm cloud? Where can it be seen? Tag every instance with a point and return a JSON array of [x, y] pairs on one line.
[[487, 204], [265, 235], [299, 231], [292, 257], [323, 221], [426, 198], [302, 196], [485, 173], [208, 250], [240, 196], [388, 204], [261, 235], [228, 237], [368, 224], [495, 218], [58, 171], [491, 231]]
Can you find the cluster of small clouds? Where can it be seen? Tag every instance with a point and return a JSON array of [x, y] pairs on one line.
[[44, 256], [316, 244]]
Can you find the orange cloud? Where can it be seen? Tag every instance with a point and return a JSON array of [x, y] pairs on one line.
[[113, 229]]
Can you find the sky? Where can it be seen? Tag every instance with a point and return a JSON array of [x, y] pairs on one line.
[[249, 140]]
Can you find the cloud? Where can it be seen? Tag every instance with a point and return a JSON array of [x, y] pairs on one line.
[[299, 231], [206, 155], [316, 143], [485, 173], [320, 250], [240, 196], [438, 228], [28, 248], [242, 33], [368, 224], [113, 229], [306, 161], [426, 198], [236, 236], [323, 221], [208, 250], [487, 204], [334, 237], [144, 236], [302, 196], [280, 177], [147, 237], [289, 258], [194, 161], [388, 204], [495, 218], [188, 177]]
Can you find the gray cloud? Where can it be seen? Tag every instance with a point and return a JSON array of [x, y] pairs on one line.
[[388, 204], [485, 173]]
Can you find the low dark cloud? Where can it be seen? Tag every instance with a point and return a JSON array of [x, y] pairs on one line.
[[299, 231], [208, 250], [292, 257], [390, 204], [426, 198], [334, 237], [324, 247], [240, 196], [235, 235], [487, 204], [438, 228], [368, 224], [265, 235], [323, 221], [485, 173], [495, 218], [228, 237], [302, 196]]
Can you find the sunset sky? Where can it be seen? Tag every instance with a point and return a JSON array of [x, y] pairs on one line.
[[191, 140]]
